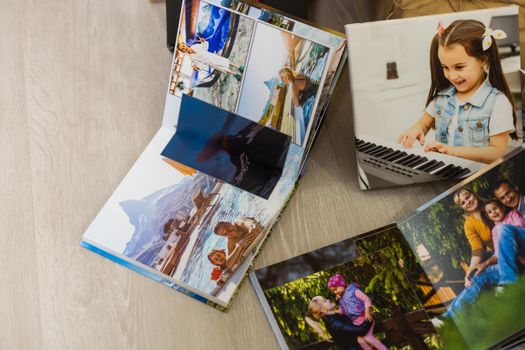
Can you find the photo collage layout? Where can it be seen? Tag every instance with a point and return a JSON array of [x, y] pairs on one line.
[[194, 213], [253, 62]]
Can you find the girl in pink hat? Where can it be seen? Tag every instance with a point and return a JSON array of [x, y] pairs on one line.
[[356, 305]]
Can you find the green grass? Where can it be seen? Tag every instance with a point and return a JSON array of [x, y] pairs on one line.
[[491, 319]]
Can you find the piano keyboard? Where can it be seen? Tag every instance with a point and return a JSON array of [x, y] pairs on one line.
[[388, 164]]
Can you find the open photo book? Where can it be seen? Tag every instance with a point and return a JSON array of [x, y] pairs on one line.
[[448, 276], [434, 97], [247, 91]]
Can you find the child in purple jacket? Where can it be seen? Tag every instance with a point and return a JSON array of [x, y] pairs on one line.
[[356, 305]]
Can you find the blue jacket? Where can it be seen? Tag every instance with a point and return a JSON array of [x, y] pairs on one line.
[[473, 117]]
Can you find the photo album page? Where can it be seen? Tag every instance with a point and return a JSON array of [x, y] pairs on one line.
[[448, 276], [245, 88]]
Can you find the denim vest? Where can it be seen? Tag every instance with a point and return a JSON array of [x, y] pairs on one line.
[[473, 116]]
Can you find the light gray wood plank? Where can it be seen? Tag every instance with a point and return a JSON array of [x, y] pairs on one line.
[[19, 285]]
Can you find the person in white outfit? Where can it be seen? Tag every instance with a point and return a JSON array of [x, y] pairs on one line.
[[202, 59]]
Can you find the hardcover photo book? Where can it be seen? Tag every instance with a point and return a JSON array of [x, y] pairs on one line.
[[247, 90], [434, 97], [448, 276]]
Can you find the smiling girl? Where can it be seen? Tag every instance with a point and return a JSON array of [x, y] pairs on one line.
[[469, 102], [495, 212], [504, 226]]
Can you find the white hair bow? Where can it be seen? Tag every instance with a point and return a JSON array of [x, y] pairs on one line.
[[488, 34]]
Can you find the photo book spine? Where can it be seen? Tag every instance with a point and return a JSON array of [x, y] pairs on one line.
[[149, 274], [268, 311]]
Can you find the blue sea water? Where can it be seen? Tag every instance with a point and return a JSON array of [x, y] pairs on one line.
[[315, 75], [307, 112], [318, 69], [234, 204]]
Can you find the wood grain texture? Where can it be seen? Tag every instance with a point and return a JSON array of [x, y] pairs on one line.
[[81, 94]]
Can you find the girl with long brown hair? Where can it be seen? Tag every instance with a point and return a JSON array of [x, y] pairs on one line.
[[469, 103]]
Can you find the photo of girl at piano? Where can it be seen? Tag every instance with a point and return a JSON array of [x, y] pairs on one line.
[[469, 103]]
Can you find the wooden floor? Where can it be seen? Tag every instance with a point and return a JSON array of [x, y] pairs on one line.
[[82, 88]]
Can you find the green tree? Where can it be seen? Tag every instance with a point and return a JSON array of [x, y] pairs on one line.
[[439, 227], [379, 276]]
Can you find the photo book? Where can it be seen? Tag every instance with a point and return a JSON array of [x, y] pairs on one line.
[[434, 97], [247, 91], [448, 276]]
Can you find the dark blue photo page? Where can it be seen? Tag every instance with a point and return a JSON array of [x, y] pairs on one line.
[[228, 147]]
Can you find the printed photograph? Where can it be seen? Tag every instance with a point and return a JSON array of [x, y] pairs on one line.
[[435, 97], [471, 245], [277, 20], [364, 303], [228, 147], [225, 246], [333, 71], [210, 54], [431, 298], [306, 264], [281, 87], [324, 36], [335, 254], [235, 5], [186, 225]]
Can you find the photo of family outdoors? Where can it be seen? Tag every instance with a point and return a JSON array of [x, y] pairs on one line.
[[365, 303], [471, 244], [443, 117], [449, 274], [244, 65], [359, 293]]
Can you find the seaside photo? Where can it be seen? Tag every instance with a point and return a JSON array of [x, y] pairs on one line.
[[210, 54], [168, 217], [333, 71], [216, 262], [228, 147], [418, 119], [471, 244], [281, 86], [366, 302]]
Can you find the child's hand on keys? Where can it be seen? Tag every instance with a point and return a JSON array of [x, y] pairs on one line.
[[439, 147], [408, 138]]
